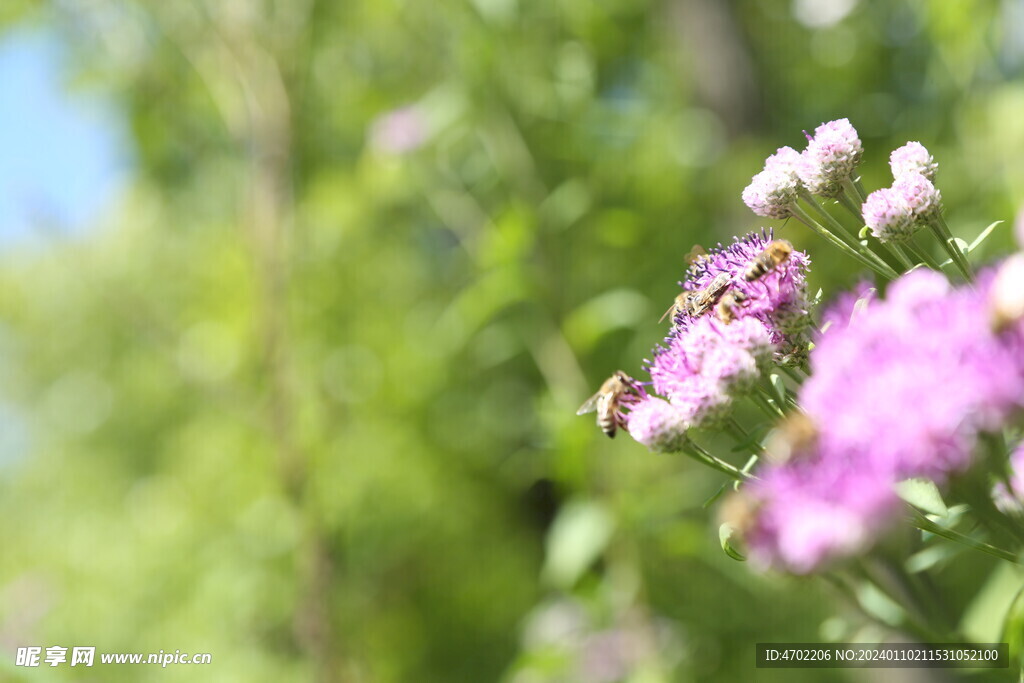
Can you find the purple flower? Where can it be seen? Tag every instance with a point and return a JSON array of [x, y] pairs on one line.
[[902, 390], [830, 158], [712, 357], [709, 362], [777, 298], [889, 216], [658, 425], [912, 158], [773, 191], [808, 514], [917, 192]]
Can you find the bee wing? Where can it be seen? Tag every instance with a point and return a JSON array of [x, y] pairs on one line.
[[667, 311], [590, 405]]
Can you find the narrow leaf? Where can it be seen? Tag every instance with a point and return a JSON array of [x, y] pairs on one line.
[[982, 236]]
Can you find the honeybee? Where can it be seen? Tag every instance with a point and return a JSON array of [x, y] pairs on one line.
[[794, 437], [726, 307], [774, 254], [700, 301], [697, 253], [607, 401]]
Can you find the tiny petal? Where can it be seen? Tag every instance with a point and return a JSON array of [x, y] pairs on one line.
[[658, 425], [889, 216], [912, 158]]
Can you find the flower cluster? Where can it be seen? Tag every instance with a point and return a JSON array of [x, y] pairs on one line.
[[714, 355], [895, 213], [902, 390], [826, 163]]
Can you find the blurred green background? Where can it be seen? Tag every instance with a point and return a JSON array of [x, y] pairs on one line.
[[302, 394]]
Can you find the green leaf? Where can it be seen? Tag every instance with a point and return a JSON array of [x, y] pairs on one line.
[[725, 534], [991, 606], [982, 236], [922, 494], [960, 244], [864, 233], [577, 538]]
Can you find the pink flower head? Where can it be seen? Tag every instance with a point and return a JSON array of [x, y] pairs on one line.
[[707, 363], [658, 425], [830, 158], [919, 194], [810, 514], [903, 390], [889, 216], [912, 158], [773, 191]]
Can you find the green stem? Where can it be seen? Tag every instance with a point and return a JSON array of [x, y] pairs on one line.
[[793, 374], [924, 524], [698, 453], [859, 189], [938, 225], [804, 218], [843, 234], [851, 207], [921, 255], [769, 410], [897, 251]]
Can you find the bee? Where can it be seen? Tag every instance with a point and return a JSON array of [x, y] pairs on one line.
[[696, 254], [700, 301], [607, 401], [726, 307], [774, 255]]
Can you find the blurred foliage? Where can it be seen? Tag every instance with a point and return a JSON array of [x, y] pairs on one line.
[[305, 398]]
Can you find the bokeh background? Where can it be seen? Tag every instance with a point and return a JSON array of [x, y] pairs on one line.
[[298, 299]]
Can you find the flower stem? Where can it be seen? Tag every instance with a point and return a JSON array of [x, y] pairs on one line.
[[801, 215], [901, 255], [858, 187], [938, 225], [921, 255], [924, 524], [697, 452], [841, 232], [770, 410], [794, 374]]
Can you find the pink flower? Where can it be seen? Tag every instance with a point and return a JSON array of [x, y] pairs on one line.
[[912, 158], [830, 158]]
